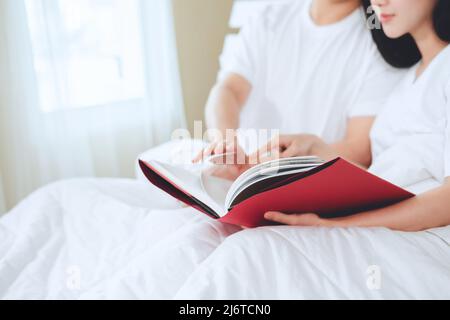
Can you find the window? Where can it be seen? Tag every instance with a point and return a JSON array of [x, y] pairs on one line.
[[86, 52]]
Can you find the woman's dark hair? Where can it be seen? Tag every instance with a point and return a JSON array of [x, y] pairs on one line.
[[403, 52], [441, 19]]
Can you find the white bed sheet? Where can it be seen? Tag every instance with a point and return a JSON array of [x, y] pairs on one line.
[[124, 239], [82, 238], [319, 263]]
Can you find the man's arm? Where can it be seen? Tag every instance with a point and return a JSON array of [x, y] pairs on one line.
[[223, 110], [225, 103]]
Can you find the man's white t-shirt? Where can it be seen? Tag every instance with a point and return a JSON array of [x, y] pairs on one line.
[[308, 78], [411, 137]]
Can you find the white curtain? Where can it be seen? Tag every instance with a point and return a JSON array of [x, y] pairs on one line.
[[39, 147], [2, 197]]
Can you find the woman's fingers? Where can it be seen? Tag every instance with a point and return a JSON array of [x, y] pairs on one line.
[[290, 152], [295, 219], [269, 151], [287, 219]]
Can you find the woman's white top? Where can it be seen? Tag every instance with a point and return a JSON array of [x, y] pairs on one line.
[[411, 137]]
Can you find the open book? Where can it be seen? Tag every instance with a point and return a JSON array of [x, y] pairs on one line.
[[292, 185]]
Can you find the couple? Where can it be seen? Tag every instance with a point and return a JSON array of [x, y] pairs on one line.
[[315, 63], [318, 65]]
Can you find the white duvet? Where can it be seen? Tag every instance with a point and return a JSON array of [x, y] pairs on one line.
[[123, 239]]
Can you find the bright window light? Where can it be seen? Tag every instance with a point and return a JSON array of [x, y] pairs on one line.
[[86, 52]]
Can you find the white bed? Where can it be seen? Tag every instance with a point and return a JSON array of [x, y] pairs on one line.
[[123, 239]]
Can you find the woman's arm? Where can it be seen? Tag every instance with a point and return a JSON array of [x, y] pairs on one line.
[[355, 147], [429, 210]]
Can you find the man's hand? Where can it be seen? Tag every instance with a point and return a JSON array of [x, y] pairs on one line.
[[223, 110], [227, 171], [231, 165], [221, 147]]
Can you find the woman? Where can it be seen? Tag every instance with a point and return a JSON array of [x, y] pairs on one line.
[[411, 137]]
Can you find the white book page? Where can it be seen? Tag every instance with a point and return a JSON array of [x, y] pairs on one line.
[[266, 170], [190, 182], [216, 188]]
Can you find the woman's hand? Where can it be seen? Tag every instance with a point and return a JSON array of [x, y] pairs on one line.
[[411, 215], [304, 220], [286, 146]]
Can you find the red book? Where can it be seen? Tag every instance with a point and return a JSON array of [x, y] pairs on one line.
[[296, 185]]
